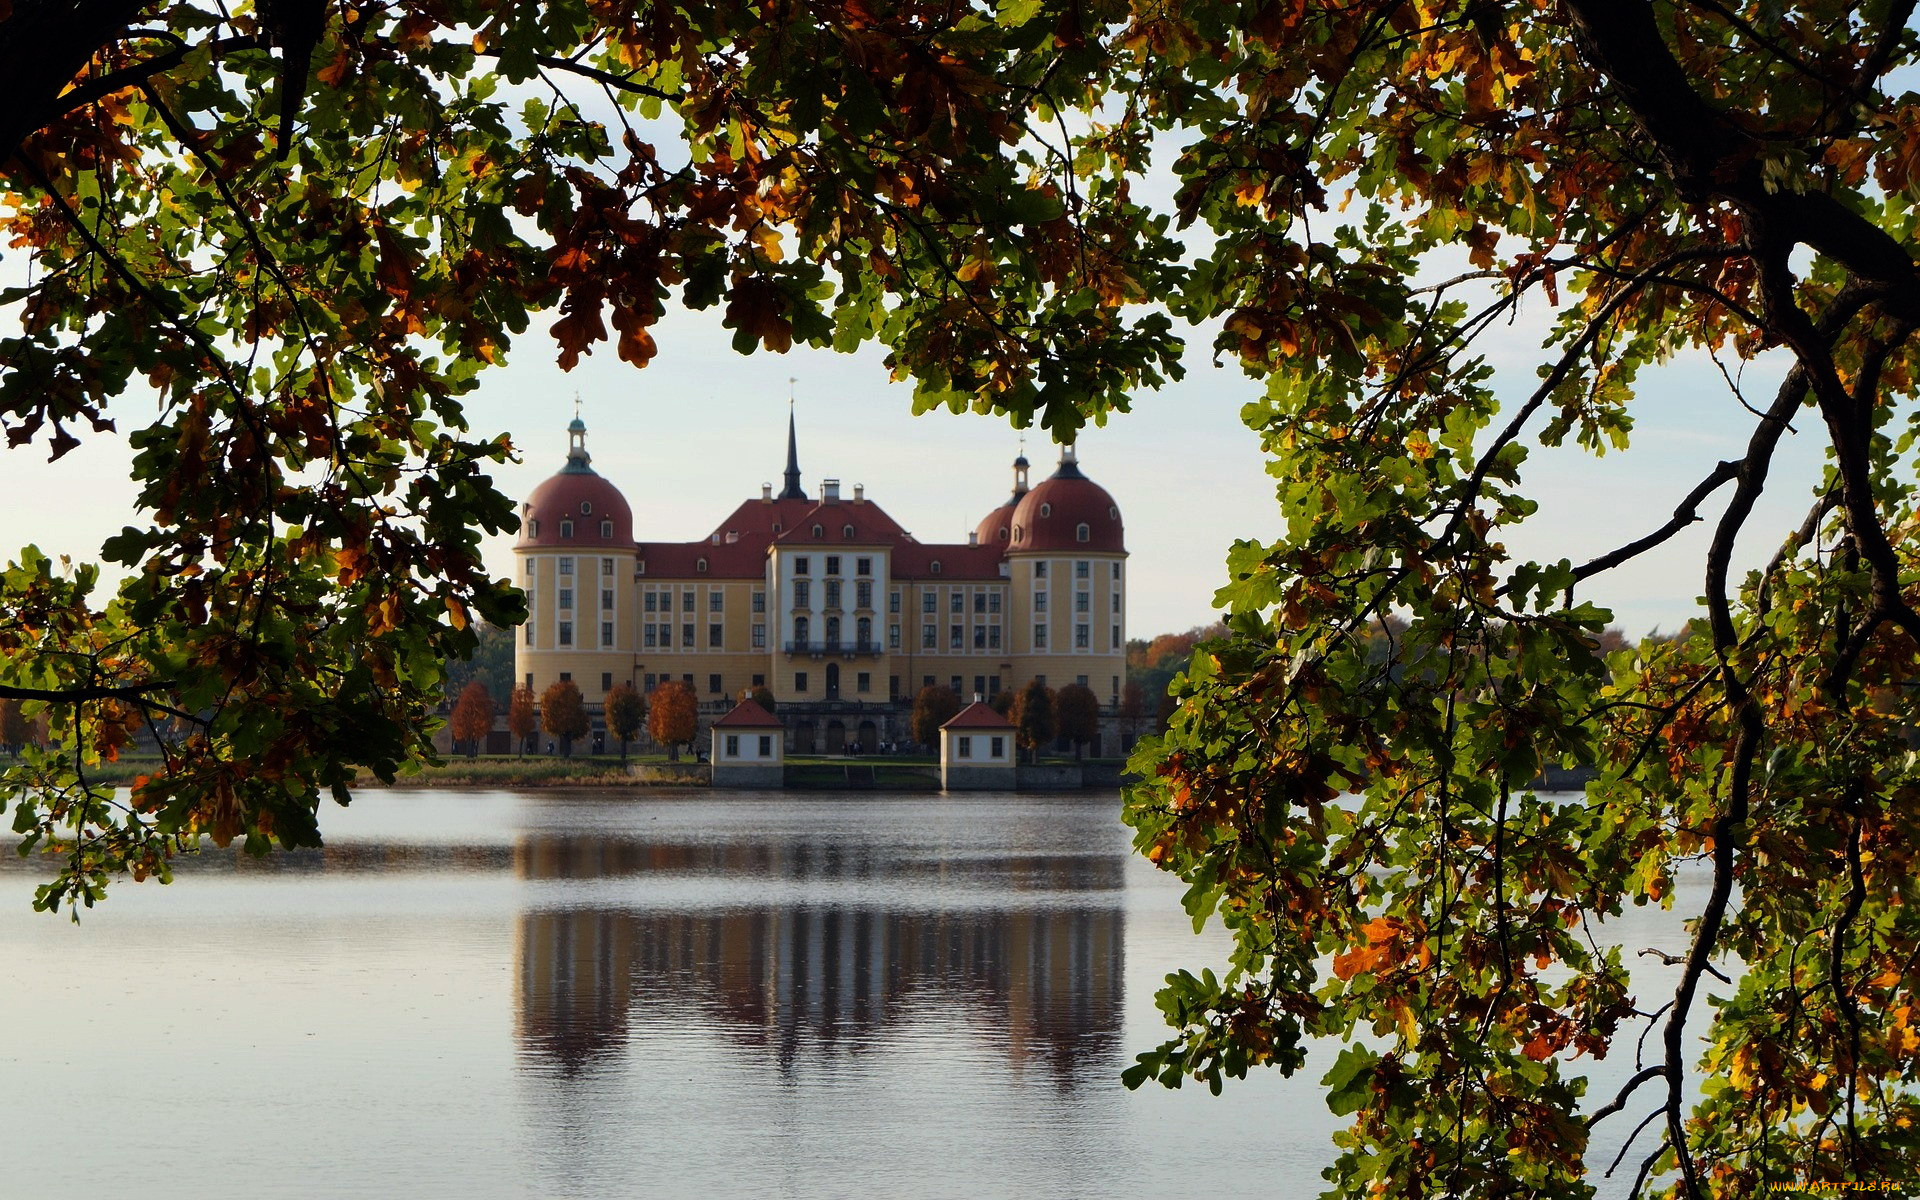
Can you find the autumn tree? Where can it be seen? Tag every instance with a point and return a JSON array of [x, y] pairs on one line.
[[935, 705], [563, 714], [1032, 716], [1133, 706], [673, 716], [763, 696], [1076, 714], [522, 718], [626, 714], [472, 718]]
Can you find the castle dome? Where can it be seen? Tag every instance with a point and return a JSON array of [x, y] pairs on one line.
[[576, 507], [1067, 512]]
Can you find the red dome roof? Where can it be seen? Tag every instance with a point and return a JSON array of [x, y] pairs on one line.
[[1051, 515], [996, 527], [576, 507]]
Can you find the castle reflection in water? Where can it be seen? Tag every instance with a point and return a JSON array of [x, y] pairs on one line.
[[818, 950]]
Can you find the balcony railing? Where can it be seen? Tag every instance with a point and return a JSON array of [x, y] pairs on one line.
[[850, 647]]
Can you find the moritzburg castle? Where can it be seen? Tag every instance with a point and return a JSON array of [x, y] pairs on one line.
[[824, 600]]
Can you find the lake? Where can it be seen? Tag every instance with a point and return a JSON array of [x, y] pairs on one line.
[[573, 994]]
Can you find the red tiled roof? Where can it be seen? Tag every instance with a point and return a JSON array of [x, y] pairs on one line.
[[978, 716], [914, 560], [744, 559], [871, 525], [749, 715]]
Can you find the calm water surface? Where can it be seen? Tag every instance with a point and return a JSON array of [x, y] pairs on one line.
[[579, 995]]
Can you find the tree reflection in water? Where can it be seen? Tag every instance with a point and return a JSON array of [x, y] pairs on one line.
[[842, 945]]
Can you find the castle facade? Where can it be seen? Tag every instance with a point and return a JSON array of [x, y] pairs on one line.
[[824, 600]]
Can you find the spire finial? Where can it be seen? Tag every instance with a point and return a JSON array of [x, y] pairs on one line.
[[792, 490], [577, 456]]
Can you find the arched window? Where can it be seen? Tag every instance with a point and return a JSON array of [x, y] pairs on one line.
[[1018, 533], [1081, 532], [801, 628], [846, 533], [586, 508], [566, 529], [865, 630], [936, 566], [701, 566], [1046, 510], [833, 631], [1113, 514], [533, 529], [819, 532], [606, 529]]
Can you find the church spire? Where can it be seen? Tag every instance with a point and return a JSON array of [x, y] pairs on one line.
[[792, 490], [577, 456]]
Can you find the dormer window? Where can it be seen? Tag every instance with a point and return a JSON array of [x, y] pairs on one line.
[[1081, 533], [819, 532], [1018, 533], [606, 529], [1113, 514], [533, 528], [776, 527], [586, 508], [1046, 510], [566, 529], [936, 566], [846, 533], [701, 566]]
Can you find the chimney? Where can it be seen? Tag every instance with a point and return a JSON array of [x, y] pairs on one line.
[[859, 493], [973, 539], [733, 535], [830, 490], [766, 493], [976, 697]]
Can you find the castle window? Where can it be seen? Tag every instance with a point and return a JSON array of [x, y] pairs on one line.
[[893, 637], [606, 529], [993, 637], [701, 566], [733, 745], [759, 637], [954, 636], [606, 637], [1080, 637], [1116, 637], [713, 685], [993, 602], [1040, 569], [686, 636], [1046, 510], [799, 681], [865, 627], [846, 533], [893, 602], [533, 528], [1081, 533], [956, 602], [863, 566], [566, 566], [802, 594], [1080, 569], [800, 630], [652, 602], [760, 602], [713, 601], [936, 566], [863, 594], [606, 566], [819, 531], [566, 529], [927, 636], [1113, 514], [586, 508], [1016, 533], [566, 633], [566, 598], [686, 600], [833, 564], [1039, 637], [802, 565], [1116, 570], [714, 636], [606, 598], [776, 527]]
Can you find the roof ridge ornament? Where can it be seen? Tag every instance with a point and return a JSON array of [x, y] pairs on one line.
[[793, 490]]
